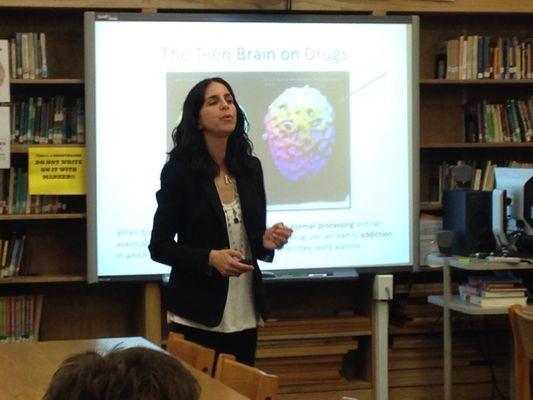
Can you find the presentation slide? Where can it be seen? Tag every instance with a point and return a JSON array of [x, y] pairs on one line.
[[330, 112]]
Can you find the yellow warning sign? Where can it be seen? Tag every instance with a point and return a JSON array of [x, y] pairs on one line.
[[56, 170]]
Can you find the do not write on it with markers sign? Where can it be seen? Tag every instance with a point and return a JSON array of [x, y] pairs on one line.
[[56, 170]]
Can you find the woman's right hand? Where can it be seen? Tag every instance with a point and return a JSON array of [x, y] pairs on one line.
[[226, 262]]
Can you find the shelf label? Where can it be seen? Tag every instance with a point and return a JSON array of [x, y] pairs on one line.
[[56, 170]]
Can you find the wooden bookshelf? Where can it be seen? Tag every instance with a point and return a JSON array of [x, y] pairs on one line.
[[55, 246], [23, 148], [56, 81], [22, 280], [28, 217], [442, 101], [464, 145], [415, 6], [424, 206], [476, 82]]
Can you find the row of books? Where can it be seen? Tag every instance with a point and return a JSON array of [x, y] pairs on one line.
[[489, 291], [483, 57], [28, 55], [506, 121], [20, 318], [441, 176], [11, 253], [14, 197], [47, 121]]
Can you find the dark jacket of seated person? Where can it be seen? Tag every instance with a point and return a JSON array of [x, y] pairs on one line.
[[135, 373]]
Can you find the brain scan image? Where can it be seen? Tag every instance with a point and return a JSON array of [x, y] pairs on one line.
[[300, 133]]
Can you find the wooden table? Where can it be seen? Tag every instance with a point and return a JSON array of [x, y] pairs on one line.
[[26, 368]]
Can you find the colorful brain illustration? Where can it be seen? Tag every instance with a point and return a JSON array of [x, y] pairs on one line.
[[299, 131]]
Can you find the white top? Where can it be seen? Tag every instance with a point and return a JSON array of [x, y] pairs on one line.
[[239, 311]]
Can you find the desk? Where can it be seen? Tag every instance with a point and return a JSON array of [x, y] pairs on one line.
[[26, 368], [449, 302]]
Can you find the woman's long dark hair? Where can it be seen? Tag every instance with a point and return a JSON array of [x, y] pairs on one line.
[[189, 142]]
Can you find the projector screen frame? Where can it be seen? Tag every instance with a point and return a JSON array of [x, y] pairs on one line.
[[90, 18]]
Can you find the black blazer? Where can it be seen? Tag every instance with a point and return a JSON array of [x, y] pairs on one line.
[[190, 207]]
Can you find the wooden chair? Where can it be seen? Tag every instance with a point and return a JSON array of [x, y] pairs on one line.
[[248, 381], [200, 357], [522, 325]]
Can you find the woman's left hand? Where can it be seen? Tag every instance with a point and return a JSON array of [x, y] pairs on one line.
[[276, 236]]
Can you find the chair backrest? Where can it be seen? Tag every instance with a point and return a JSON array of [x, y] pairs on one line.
[[522, 325], [200, 357], [249, 381]]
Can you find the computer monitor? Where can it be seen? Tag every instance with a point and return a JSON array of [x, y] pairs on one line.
[[513, 208]]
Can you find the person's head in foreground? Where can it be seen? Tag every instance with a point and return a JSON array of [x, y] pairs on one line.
[[135, 373]]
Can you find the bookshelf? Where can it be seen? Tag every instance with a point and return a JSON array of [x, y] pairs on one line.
[[28, 217], [47, 81], [21, 280], [55, 248], [23, 148], [442, 131], [415, 365]]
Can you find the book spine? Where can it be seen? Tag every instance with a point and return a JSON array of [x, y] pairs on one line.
[[37, 52], [44, 61], [13, 57], [31, 56], [25, 56], [480, 51], [18, 43]]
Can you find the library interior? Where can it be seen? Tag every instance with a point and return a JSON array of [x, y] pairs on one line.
[[381, 248]]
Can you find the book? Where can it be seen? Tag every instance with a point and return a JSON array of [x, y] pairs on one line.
[[468, 290], [471, 122], [31, 55], [503, 293], [452, 55], [13, 58], [37, 316], [18, 46], [25, 56], [44, 61], [498, 302], [494, 280]]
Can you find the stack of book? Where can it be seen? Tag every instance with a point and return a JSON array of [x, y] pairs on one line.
[[11, 255], [493, 292], [15, 197], [483, 57], [43, 120], [20, 318], [28, 55], [504, 121]]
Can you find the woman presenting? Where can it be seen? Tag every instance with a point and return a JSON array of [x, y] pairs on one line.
[[212, 198]]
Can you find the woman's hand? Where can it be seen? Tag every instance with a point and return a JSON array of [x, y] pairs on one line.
[[276, 236], [226, 261]]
